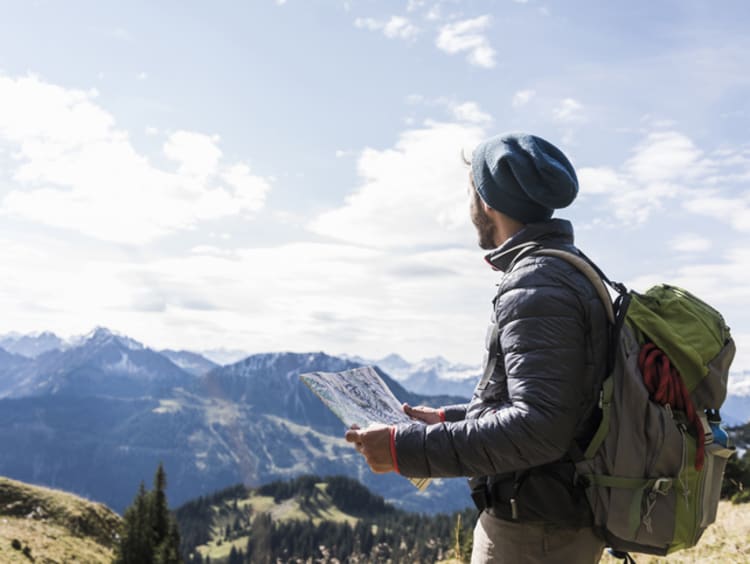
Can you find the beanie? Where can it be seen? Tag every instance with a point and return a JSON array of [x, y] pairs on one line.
[[523, 176]]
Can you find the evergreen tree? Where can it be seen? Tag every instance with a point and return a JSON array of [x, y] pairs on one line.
[[160, 517], [136, 542], [149, 532]]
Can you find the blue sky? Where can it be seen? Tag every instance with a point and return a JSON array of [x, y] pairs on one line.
[[285, 175]]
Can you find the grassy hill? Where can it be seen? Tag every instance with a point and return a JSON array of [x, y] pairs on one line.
[[44, 525]]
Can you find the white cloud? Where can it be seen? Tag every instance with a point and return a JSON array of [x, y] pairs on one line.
[[690, 243], [734, 211], [664, 156], [568, 110], [401, 28], [470, 112], [666, 166], [368, 23], [142, 76], [198, 155], [74, 169], [412, 194], [397, 27], [466, 36], [522, 97], [152, 131], [358, 300]]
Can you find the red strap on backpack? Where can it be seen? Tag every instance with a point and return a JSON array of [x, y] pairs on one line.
[[666, 387]]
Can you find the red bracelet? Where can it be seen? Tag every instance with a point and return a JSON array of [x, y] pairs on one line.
[[441, 413], [393, 449]]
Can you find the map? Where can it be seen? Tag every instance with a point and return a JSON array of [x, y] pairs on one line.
[[360, 397]]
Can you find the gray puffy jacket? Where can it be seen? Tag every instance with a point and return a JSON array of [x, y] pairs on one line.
[[552, 341]]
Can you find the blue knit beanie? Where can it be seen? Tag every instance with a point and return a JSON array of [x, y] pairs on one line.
[[523, 176]]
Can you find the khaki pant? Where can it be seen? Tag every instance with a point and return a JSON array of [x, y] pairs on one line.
[[499, 541]]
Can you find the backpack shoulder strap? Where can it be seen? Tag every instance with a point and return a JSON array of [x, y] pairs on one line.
[[588, 270]]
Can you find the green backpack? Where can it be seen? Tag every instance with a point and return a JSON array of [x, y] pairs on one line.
[[654, 468]]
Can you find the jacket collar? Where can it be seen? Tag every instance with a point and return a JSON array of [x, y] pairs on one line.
[[550, 232]]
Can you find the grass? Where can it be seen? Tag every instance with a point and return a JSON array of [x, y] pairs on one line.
[[45, 525]]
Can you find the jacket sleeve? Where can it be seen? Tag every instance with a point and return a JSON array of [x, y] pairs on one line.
[[542, 332], [455, 412]]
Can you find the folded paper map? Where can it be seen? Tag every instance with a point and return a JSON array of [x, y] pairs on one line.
[[360, 397]]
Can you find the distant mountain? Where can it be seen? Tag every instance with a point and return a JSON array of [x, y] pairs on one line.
[[100, 363], [10, 366], [223, 356], [191, 362], [736, 408], [32, 345], [430, 375], [96, 419]]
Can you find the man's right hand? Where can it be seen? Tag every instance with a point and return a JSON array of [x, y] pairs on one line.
[[429, 415]]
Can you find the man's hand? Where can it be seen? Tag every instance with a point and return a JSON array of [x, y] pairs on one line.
[[374, 443], [429, 415]]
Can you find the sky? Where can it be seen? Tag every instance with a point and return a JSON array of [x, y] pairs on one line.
[[286, 174]]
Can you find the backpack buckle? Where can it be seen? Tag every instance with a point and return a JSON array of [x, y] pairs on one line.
[[662, 486]]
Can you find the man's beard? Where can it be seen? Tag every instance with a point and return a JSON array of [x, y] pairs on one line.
[[485, 227]]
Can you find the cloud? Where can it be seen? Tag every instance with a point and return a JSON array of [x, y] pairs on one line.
[[466, 36], [734, 211], [470, 112], [358, 300], [397, 27], [667, 168], [690, 243], [74, 169], [665, 156], [568, 110], [522, 97], [412, 194]]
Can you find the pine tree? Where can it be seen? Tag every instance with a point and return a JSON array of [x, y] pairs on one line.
[[136, 540], [160, 518], [149, 533]]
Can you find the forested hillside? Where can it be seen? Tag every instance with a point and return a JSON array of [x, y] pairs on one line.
[[310, 517]]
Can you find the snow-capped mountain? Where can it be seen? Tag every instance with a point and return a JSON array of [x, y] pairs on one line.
[[97, 417], [101, 362], [31, 345], [429, 376]]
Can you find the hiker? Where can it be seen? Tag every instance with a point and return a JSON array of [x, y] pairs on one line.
[[535, 406]]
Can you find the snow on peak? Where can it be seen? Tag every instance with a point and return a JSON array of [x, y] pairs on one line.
[[102, 335]]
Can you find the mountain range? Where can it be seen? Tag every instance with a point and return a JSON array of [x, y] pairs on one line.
[[96, 415]]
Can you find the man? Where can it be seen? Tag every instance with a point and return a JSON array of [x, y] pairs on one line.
[[535, 408]]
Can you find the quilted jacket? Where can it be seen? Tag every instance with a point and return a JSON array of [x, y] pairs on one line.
[[551, 346]]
